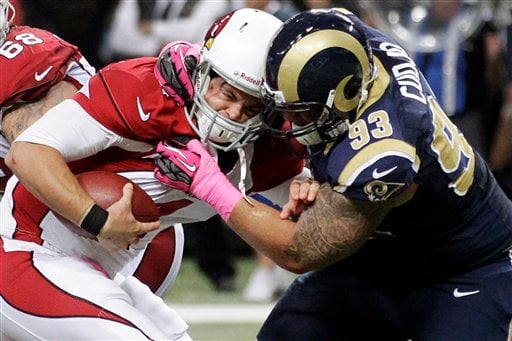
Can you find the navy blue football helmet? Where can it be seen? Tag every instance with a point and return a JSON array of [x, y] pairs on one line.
[[318, 70]]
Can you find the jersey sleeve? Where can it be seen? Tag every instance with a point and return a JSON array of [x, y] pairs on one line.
[[376, 174], [377, 160], [127, 99], [69, 129], [32, 61]]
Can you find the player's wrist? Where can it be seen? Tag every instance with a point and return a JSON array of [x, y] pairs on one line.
[[218, 192], [94, 220]]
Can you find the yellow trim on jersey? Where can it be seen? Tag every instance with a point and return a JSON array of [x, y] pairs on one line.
[[372, 153], [380, 84], [327, 148], [306, 48]]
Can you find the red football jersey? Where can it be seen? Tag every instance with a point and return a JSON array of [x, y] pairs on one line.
[[126, 98], [31, 62]]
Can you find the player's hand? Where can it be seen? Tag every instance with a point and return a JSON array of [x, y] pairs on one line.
[[121, 228], [302, 194], [193, 170], [176, 167], [174, 69]]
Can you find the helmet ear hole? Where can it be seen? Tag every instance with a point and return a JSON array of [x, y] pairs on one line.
[[352, 88]]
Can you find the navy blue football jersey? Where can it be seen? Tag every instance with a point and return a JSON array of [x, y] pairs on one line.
[[459, 217]]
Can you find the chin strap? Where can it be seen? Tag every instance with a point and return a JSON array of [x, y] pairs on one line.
[[365, 87], [243, 174]]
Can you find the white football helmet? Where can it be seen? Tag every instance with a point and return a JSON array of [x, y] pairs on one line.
[[7, 13], [235, 49]]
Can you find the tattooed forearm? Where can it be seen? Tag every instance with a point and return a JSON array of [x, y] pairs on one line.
[[333, 228]]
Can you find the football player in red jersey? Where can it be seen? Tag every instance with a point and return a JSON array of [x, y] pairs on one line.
[[38, 70], [114, 124]]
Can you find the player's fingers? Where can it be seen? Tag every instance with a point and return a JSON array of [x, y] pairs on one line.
[[286, 212], [197, 147], [295, 186], [291, 209], [308, 189], [127, 193], [304, 190], [148, 227], [313, 191]]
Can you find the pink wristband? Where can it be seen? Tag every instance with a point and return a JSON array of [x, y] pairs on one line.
[[211, 185], [217, 191]]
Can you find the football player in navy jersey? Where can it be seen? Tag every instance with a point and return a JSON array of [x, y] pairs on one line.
[[409, 236]]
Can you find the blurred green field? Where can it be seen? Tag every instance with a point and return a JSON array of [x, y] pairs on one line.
[[223, 332], [192, 290], [192, 286]]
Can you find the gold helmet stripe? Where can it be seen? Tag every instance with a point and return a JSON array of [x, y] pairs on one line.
[[305, 49]]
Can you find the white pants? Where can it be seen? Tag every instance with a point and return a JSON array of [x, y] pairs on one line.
[[49, 296]]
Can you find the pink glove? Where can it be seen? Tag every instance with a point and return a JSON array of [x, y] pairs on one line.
[[174, 68], [199, 175], [176, 167]]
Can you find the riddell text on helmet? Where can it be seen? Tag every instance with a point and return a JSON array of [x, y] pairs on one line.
[[250, 79]]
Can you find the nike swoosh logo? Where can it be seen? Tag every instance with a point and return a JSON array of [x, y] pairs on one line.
[[40, 76], [377, 175], [191, 168], [143, 116], [457, 293]]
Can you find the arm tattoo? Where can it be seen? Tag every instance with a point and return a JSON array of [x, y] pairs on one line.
[[19, 118], [333, 228], [23, 115]]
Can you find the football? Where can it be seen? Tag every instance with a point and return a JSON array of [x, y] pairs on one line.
[[106, 188]]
